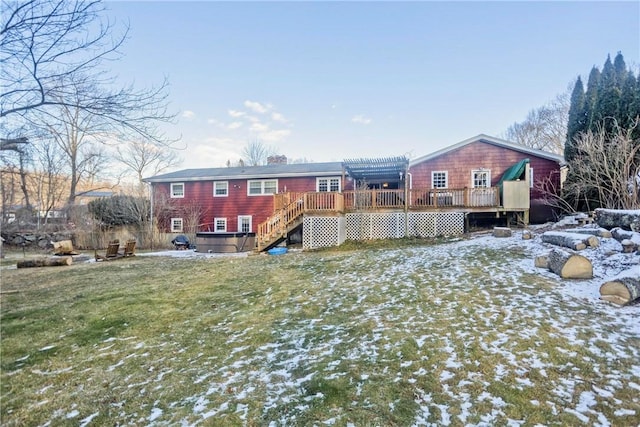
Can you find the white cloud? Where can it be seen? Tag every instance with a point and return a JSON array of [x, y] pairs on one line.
[[256, 106], [275, 135], [215, 122], [278, 117], [188, 114], [213, 152], [234, 125], [259, 127], [264, 132], [236, 113], [361, 119]]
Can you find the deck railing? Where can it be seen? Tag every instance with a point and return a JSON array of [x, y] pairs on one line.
[[374, 199], [422, 199], [452, 198], [324, 201], [289, 207]]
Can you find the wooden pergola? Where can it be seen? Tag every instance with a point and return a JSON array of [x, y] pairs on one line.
[[377, 170]]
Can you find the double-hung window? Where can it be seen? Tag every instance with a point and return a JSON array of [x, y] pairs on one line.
[[328, 184], [220, 188], [481, 178], [220, 224], [176, 225], [262, 187], [177, 190], [439, 179]]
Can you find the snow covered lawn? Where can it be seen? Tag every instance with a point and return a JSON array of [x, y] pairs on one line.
[[466, 332]]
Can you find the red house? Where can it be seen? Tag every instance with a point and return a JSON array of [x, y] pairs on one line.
[[481, 162], [234, 199], [327, 203]]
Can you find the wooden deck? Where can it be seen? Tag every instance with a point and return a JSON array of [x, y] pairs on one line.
[[289, 208]]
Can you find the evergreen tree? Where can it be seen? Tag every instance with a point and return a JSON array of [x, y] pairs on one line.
[[610, 106], [607, 105], [620, 68], [576, 122], [629, 106], [591, 100], [634, 111]]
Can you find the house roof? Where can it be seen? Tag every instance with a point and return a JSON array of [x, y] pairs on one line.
[[95, 193], [390, 168], [251, 172], [493, 141]]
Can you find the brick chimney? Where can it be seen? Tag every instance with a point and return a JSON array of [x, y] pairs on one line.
[[277, 160]]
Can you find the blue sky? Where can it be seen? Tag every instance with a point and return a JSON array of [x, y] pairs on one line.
[[327, 81]]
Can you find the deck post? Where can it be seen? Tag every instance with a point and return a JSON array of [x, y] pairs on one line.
[[406, 207]]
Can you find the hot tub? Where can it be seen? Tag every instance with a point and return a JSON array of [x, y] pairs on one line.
[[225, 242]]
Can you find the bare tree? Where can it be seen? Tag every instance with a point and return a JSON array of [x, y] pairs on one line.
[[256, 152], [545, 128], [193, 214], [44, 40], [145, 158], [78, 135], [8, 174], [48, 178], [48, 47], [607, 168]]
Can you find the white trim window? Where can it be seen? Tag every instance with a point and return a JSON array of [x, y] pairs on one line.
[[177, 225], [177, 190], [328, 184], [220, 188], [220, 225], [439, 179], [262, 187], [481, 178], [244, 223]]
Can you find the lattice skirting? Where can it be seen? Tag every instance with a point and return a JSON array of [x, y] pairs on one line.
[[432, 224], [331, 231], [322, 231], [365, 226]]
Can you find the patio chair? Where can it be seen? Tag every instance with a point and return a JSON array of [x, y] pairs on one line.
[[129, 248], [112, 251]]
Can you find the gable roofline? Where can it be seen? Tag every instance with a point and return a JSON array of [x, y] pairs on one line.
[[493, 141], [250, 172]]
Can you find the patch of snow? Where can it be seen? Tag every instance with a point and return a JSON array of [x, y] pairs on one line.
[[155, 414], [85, 421], [72, 414]]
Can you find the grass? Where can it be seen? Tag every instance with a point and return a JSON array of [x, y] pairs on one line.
[[396, 333]]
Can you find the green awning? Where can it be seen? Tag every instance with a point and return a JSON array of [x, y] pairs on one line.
[[515, 172]]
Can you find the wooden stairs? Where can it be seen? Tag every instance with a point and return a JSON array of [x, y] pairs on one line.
[[279, 225]]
